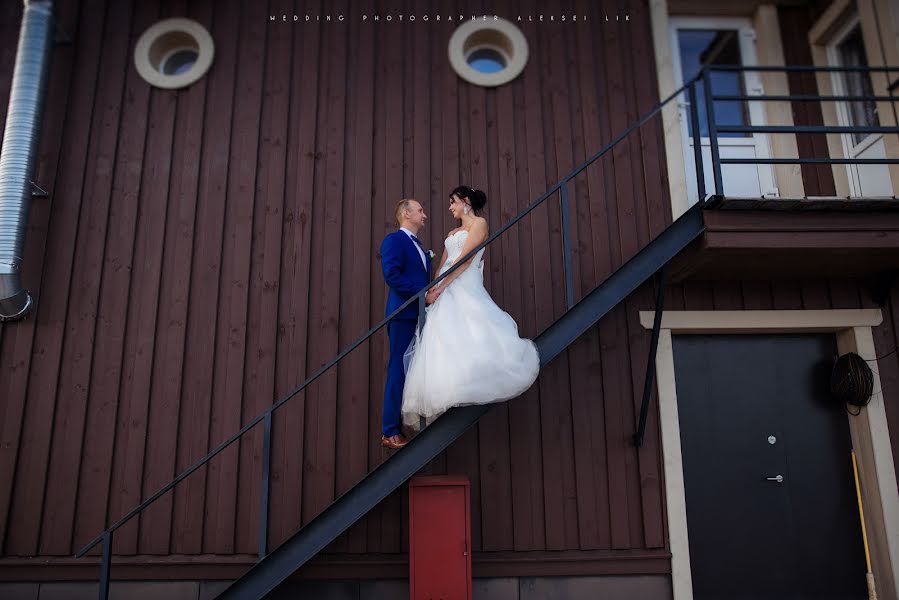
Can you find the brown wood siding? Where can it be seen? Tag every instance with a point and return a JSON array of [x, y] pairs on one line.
[[205, 250], [795, 23]]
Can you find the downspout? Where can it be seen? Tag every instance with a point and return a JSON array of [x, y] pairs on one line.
[[19, 152]]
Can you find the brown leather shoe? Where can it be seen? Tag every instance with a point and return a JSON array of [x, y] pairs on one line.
[[395, 441]]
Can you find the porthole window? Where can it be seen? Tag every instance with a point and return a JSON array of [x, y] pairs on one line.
[[174, 53], [179, 61], [488, 53], [487, 60]]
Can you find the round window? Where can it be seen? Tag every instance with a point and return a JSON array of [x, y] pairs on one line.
[[174, 53], [179, 61], [487, 60], [488, 53]]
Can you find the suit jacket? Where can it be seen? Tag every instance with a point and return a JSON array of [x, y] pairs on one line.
[[404, 273]]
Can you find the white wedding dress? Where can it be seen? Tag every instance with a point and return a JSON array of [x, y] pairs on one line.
[[469, 351]]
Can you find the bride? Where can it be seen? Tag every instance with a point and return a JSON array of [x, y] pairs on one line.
[[469, 351]]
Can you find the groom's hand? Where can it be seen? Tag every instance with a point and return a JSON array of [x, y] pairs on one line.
[[432, 296]]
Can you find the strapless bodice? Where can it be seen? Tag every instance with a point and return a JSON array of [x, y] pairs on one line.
[[454, 245]]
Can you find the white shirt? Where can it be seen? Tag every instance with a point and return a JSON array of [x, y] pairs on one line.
[[424, 260]]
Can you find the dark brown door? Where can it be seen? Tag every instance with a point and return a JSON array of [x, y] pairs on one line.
[[771, 509]]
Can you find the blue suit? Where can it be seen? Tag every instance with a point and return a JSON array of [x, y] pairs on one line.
[[405, 275]]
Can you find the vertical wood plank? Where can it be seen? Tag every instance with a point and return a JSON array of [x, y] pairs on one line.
[[886, 340], [595, 263], [178, 261], [290, 369], [321, 411], [795, 23], [97, 494], [130, 460], [228, 378], [786, 295], [624, 245], [727, 295], [390, 88], [699, 295], [844, 293], [205, 301], [556, 436], [757, 295], [265, 274], [354, 434], [651, 191], [383, 222], [815, 294], [633, 234]]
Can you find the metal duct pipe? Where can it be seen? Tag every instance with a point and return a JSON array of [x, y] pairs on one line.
[[18, 156]]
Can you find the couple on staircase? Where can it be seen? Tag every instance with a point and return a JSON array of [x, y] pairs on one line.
[[469, 351]]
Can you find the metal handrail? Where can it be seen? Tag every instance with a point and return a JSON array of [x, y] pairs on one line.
[[799, 68], [805, 129], [806, 98], [106, 535]]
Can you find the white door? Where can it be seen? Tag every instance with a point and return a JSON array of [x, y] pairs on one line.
[[698, 41], [848, 50]]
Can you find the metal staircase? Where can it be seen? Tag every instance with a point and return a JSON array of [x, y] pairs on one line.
[[263, 577]]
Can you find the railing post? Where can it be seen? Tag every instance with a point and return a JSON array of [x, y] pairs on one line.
[[651, 362], [105, 565], [697, 141], [566, 243], [266, 487], [713, 130]]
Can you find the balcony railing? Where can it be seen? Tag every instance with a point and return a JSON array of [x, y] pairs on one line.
[[714, 128]]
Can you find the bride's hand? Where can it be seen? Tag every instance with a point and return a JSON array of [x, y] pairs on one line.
[[432, 295]]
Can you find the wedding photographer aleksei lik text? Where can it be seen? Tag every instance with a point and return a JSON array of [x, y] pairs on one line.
[[412, 18]]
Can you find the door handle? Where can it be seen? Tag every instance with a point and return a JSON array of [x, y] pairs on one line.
[[777, 478]]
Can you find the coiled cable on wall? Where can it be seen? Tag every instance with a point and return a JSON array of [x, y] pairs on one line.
[[851, 381]]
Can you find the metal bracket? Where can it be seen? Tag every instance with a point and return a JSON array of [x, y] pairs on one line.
[[38, 192], [62, 38], [651, 361]]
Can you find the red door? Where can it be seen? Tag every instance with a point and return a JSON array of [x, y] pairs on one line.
[[439, 539]]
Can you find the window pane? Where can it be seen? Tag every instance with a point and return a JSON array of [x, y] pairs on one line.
[[851, 53], [700, 47], [487, 60], [180, 62]]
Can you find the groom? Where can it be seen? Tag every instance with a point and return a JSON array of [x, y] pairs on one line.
[[407, 269]]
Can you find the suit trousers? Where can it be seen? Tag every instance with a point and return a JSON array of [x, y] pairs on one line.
[[400, 332]]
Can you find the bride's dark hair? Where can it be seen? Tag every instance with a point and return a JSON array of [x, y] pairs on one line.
[[477, 198]]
